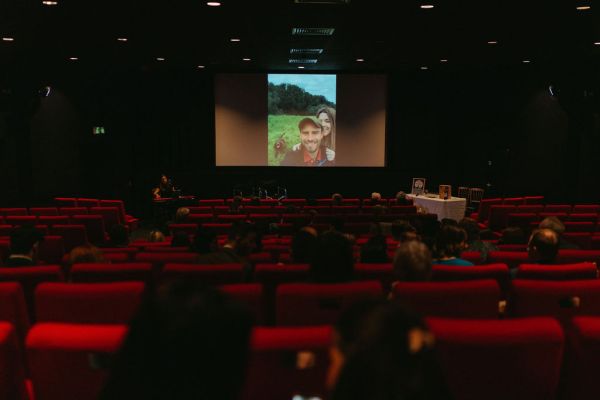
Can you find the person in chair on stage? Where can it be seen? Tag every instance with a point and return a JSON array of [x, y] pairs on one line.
[[165, 188], [313, 152]]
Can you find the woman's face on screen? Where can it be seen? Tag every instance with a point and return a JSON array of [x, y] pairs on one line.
[[326, 122]]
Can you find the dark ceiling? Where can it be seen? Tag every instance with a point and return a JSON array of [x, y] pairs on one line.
[[388, 35]]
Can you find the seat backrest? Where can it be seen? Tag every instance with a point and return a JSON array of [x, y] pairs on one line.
[[212, 202], [39, 211], [511, 258], [448, 273], [530, 208], [116, 203], [276, 362], [88, 202], [560, 299], [52, 249], [468, 299], [70, 211], [318, 304], [499, 216], [252, 296], [217, 274], [534, 199], [580, 373], [557, 208], [484, 208], [52, 220], [476, 355], [577, 256], [383, 273], [580, 226], [73, 235], [559, 272], [94, 227], [88, 303], [16, 220], [13, 308], [513, 201], [13, 211], [110, 215], [159, 259], [586, 208], [65, 201], [12, 371], [119, 272], [63, 359]]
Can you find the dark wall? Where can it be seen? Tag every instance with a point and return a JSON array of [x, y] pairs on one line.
[[495, 128]]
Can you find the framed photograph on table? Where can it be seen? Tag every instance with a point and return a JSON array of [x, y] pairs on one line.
[[418, 186], [445, 192]]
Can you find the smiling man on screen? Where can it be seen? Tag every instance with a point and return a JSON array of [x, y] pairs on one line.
[[312, 154]]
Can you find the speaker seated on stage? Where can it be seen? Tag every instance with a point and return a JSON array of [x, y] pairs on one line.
[[165, 188]]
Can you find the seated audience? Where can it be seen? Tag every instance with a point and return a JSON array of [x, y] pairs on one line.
[[448, 221], [375, 198], [512, 235], [156, 236], [402, 200], [337, 199], [185, 342], [412, 262], [333, 260], [403, 231], [557, 226], [118, 236], [85, 254], [303, 245], [205, 241], [181, 214], [180, 239], [241, 242], [383, 352], [24, 245], [474, 242], [375, 250], [236, 204], [543, 246], [449, 243]]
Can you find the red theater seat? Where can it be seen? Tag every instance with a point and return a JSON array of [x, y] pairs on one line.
[[88, 303], [468, 299], [211, 203], [484, 208], [120, 205], [19, 211], [557, 208], [383, 273], [13, 309], [276, 370], [63, 359], [51, 220], [530, 208], [46, 211], [499, 360], [17, 220], [218, 274], [199, 219], [92, 273], [577, 256], [70, 211], [447, 273], [563, 299], [586, 208], [12, 372], [52, 249], [110, 215], [250, 294], [499, 216], [275, 274], [318, 304], [219, 229], [94, 227], [534, 199], [582, 362], [5, 230], [88, 202], [580, 226], [511, 258], [159, 259], [583, 217], [293, 202], [558, 272], [65, 201], [514, 201], [200, 210]]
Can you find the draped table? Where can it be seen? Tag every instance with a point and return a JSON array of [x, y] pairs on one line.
[[453, 208]]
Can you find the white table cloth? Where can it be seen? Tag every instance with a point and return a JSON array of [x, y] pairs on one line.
[[453, 208]]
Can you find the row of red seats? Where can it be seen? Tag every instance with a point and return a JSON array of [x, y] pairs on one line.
[[485, 206], [531, 352], [296, 202]]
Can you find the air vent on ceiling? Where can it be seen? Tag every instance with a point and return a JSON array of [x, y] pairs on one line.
[[321, 1], [313, 31], [306, 51], [302, 60]]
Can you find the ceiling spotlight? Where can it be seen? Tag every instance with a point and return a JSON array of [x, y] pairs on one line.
[[73, 58], [360, 60], [300, 66], [443, 60], [49, 2], [596, 43], [426, 6], [246, 59], [122, 39], [200, 67], [424, 68], [492, 42], [235, 40], [8, 39], [160, 59], [582, 8], [526, 61], [213, 3]]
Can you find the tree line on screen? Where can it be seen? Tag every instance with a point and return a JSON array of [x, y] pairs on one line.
[[293, 100]]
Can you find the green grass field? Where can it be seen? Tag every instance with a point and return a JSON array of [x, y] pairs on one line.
[[286, 125]]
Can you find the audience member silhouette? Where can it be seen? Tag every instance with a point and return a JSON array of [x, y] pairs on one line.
[[412, 262], [333, 260], [557, 226], [543, 246], [449, 243], [24, 246], [303, 245]]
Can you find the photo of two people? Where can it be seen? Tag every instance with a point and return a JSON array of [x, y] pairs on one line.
[[301, 120]]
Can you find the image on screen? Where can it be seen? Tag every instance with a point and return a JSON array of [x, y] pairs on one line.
[[301, 120]]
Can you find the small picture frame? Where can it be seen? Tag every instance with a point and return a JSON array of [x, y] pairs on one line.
[[445, 192], [418, 186]]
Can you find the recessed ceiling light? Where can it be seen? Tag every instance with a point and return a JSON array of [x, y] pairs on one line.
[[492, 42], [583, 8], [597, 43], [526, 61], [360, 60], [160, 59], [122, 39], [300, 67], [73, 58], [424, 68], [200, 66], [443, 60], [234, 40], [246, 59], [426, 6], [8, 39], [49, 2], [213, 3]]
